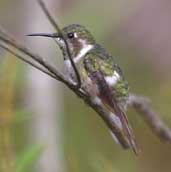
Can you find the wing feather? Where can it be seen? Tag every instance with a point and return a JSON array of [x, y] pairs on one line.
[[108, 98]]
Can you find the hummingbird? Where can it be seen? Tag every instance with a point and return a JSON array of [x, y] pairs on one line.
[[101, 77]]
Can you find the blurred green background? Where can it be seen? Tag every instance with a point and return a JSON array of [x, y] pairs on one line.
[[45, 127]]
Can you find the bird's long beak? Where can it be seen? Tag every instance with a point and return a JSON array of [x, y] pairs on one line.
[[44, 35], [54, 36]]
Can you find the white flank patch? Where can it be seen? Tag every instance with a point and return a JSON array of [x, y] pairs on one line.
[[115, 120], [112, 80]]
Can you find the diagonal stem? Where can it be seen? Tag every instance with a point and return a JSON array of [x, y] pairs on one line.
[[79, 92], [4, 37], [27, 61], [56, 26], [137, 102], [141, 105]]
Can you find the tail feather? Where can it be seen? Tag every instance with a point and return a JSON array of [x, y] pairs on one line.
[[127, 128], [117, 133], [129, 133], [114, 137], [108, 98]]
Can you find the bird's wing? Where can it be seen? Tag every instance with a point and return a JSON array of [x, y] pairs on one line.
[[93, 69]]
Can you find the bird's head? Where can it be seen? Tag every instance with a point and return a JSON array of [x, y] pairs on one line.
[[78, 38]]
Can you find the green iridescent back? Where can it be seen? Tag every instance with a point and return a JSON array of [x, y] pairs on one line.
[[98, 55]]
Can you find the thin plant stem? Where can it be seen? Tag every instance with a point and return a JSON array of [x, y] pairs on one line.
[[56, 26], [27, 61], [20, 51]]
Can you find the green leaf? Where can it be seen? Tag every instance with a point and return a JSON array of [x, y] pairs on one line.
[[27, 158]]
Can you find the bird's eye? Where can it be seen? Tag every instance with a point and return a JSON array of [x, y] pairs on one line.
[[70, 35]]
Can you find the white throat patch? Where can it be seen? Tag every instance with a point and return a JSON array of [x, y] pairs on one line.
[[68, 69], [82, 53]]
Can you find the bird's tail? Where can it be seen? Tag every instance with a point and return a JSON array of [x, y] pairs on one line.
[[123, 136]]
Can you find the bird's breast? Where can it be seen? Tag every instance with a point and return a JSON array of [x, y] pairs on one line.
[[69, 71]]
